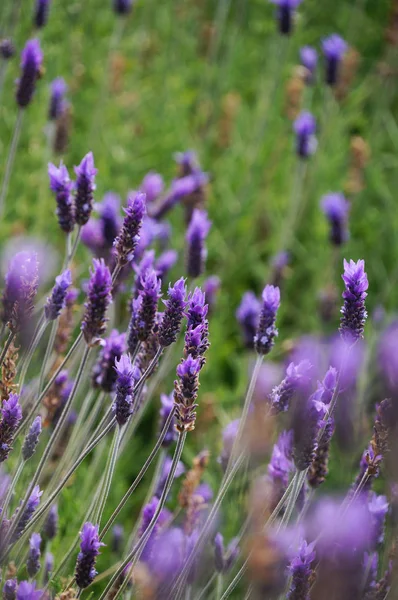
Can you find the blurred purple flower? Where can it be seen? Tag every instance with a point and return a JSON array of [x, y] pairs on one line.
[[297, 376], [228, 438], [61, 185], [305, 127], [165, 262], [248, 315], [334, 48], [309, 60], [285, 13], [33, 562], [104, 374], [40, 16], [56, 302], [84, 188], [57, 101], [152, 186], [31, 63], [167, 403], [224, 559], [197, 232], [336, 209]]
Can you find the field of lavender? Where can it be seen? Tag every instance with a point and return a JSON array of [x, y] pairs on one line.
[[198, 353]]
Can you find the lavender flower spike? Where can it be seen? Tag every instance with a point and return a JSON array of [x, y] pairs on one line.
[[31, 62], [197, 232], [48, 566], [61, 185], [225, 559], [305, 128], [10, 589], [266, 331], [51, 523], [336, 209], [33, 562], [21, 283], [122, 7], [172, 316], [248, 317], [27, 591], [309, 60], [57, 102], [11, 413], [127, 240], [123, 405], [85, 186], [41, 13], [7, 51], [98, 300], [300, 569], [32, 439], [86, 559], [33, 503], [353, 311], [56, 301], [282, 394], [286, 10], [150, 294], [186, 393], [104, 374], [334, 48]]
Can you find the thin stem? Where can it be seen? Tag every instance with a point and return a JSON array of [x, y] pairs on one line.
[[245, 412], [297, 483], [47, 355], [11, 489], [72, 252], [140, 475], [149, 370], [135, 553], [50, 444], [206, 526], [188, 592], [219, 586], [109, 470], [290, 219], [203, 592], [10, 159], [35, 342], [7, 344], [68, 250], [49, 384]]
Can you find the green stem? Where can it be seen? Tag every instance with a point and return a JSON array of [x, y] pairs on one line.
[[109, 471], [11, 489], [219, 586], [50, 444], [140, 475], [10, 159], [135, 553], [41, 327], [47, 355]]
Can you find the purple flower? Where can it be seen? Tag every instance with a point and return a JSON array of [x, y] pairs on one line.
[[84, 188], [7, 51], [248, 315], [336, 209], [122, 7], [224, 559], [33, 562], [305, 127], [56, 302], [110, 221], [21, 283], [51, 524], [104, 374], [48, 566], [334, 48], [319, 467], [117, 538], [92, 237], [309, 60], [98, 300], [152, 186], [378, 508], [197, 232], [57, 102], [300, 569], [86, 559], [307, 422], [148, 513], [167, 403], [165, 262], [123, 404], [296, 376], [180, 470], [266, 330], [33, 503], [31, 63], [11, 413], [171, 319], [10, 589], [197, 308], [128, 237], [28, 591], [281, 463], [149, 301], [187, 161], [40, 16], [286, 10], [61, 185], [353, 311], [228, 437], [32, 439], [186, 393], [211, 288]]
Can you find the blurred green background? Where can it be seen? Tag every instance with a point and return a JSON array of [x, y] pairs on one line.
[[213, 77]]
